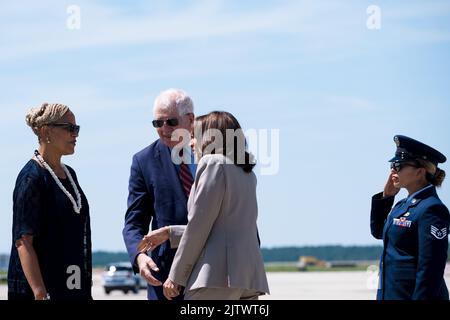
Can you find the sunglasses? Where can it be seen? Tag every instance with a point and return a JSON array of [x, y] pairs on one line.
[[397, 166], [170, 122], [72, 128]]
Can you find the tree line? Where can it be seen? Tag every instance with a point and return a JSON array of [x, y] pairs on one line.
[[281, 254]]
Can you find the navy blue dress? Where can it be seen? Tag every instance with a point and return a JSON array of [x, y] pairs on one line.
[[61, 237]]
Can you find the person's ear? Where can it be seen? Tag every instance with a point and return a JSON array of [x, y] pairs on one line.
[[44, 133], [422, 172], [191, 118]]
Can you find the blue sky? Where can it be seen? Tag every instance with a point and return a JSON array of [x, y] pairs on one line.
[[337, 91]]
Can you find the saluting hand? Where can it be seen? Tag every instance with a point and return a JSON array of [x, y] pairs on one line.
[[390, 189]]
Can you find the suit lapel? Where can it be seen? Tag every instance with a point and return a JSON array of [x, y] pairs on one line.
[[397, 211], [401, 210], [407, 205], [169, 170], [416, 200]]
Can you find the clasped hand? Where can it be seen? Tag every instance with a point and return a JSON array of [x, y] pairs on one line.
[[153, 239], [150, 241], [171, 289]]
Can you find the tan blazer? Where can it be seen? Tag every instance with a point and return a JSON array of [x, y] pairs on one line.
[[219, 246]]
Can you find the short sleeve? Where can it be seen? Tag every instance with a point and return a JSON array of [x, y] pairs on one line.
[[27, 206]]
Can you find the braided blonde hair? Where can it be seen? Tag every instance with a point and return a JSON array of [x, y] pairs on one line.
[[46, 113]]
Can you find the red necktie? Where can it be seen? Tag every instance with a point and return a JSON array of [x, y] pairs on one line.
[[186, 178]]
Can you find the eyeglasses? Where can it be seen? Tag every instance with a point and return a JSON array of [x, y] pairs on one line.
[[397, 166], [72, 128], [170, 122]]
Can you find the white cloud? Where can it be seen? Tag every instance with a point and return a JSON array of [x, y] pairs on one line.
[[103, 26], [317, 26]]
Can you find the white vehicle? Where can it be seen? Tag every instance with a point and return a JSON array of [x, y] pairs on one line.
[[120, 276]]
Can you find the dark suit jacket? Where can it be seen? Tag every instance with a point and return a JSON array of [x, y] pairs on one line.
[[415, 237], [156, 196]]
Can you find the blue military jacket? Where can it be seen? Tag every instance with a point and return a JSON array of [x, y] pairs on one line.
[[415, 238]]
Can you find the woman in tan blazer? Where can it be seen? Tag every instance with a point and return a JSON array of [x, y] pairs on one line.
[[218, 254]]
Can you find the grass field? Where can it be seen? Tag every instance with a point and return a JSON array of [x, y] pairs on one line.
[[3, 277]]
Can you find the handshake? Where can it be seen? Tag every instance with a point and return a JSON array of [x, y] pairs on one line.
[[153, 239], [150, 241]]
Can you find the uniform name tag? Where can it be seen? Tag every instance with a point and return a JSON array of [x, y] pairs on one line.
[[402, 222]]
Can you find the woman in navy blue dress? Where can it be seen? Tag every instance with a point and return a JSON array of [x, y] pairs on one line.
[[51, 236]]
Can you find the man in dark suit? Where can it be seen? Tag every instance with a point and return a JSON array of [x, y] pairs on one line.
[[159, 187]]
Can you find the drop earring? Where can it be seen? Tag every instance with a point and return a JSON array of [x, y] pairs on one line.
[[48, 140]]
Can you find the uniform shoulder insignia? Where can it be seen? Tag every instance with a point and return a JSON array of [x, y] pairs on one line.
[[439, 233]]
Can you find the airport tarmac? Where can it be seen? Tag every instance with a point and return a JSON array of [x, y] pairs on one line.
[[292, 285], [333, 285]]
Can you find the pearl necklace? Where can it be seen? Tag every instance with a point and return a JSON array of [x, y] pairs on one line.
[[76, 205]]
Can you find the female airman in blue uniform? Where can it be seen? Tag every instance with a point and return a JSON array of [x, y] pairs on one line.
[[415, 230]]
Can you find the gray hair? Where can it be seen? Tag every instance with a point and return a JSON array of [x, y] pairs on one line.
[[47, 113], [174, 99]]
